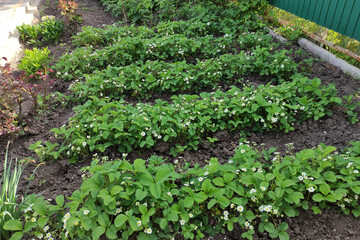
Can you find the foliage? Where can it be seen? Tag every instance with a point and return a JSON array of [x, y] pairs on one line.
[[99, 124], [68, 8], [8, 116], [152, 199], [13, 91], [153, 11], [34, 60], [173, 47], [10, 209], [143, 79], [191, 28], [47, 31]]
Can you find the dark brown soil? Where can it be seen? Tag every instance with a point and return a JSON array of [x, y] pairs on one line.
[[61, 177]]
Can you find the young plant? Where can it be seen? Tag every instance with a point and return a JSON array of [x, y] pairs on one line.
[[10, 209], [34, 60], [47, 31], [68, 8]]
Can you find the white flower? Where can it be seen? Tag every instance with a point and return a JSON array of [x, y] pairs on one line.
[[263, 188], [242, 151], [275, 211], [226, 218], [206, 173], [33, 219], [143, 134], [84, 144], [118, 210], [232, 205], [48, 235], [226, 213], [243, 169], [251, 227], [182, 222], [253, 190], [46, 228], [303, 174], [169, 194], [311, 189], [40, 236], [200, 179], [148, 230], [300, 178], [356, 171], [139, 223], [137, 204], [247, 224], [191, 215], [240, 208], [268, 208], [86, 212]]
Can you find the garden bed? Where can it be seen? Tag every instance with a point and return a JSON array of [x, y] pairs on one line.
[[61, 177]]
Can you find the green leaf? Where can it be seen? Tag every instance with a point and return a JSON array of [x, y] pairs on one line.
[[188, 202], [330, 198], [211, 203], [173, 217], [324, 189], [116, 189], [120, 220], [356, 189], [162, 175], [43, 221], [139, 165], [283, 226], [316, 210], [284, 236], [250, 215], [206, 185], [290, 212], [330, 176], [318, 197], [219, 181], [17, 236], [200, 197], [269, 227], [306, 154], [230, 226], [228, 177], [104, 194], [60, 200], [140, 194], [111, 232], [155, 190], [163, 223], [287, 183], [13, 225], [224, 202], [97, 232], [103, 219]]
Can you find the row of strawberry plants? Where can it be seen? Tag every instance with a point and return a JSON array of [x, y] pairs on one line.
[[156, 200], [153, 11], [143, 79], [99, 124], [112, 33], [173, 47]]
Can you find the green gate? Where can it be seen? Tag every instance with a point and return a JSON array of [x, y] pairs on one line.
[[342, 16]]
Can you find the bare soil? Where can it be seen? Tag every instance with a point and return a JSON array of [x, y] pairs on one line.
[[61, 177]]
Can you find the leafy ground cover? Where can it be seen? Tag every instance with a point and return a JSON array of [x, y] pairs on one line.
[[191, 93]]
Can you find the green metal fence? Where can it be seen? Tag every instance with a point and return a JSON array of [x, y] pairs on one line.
[[342, 16]]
